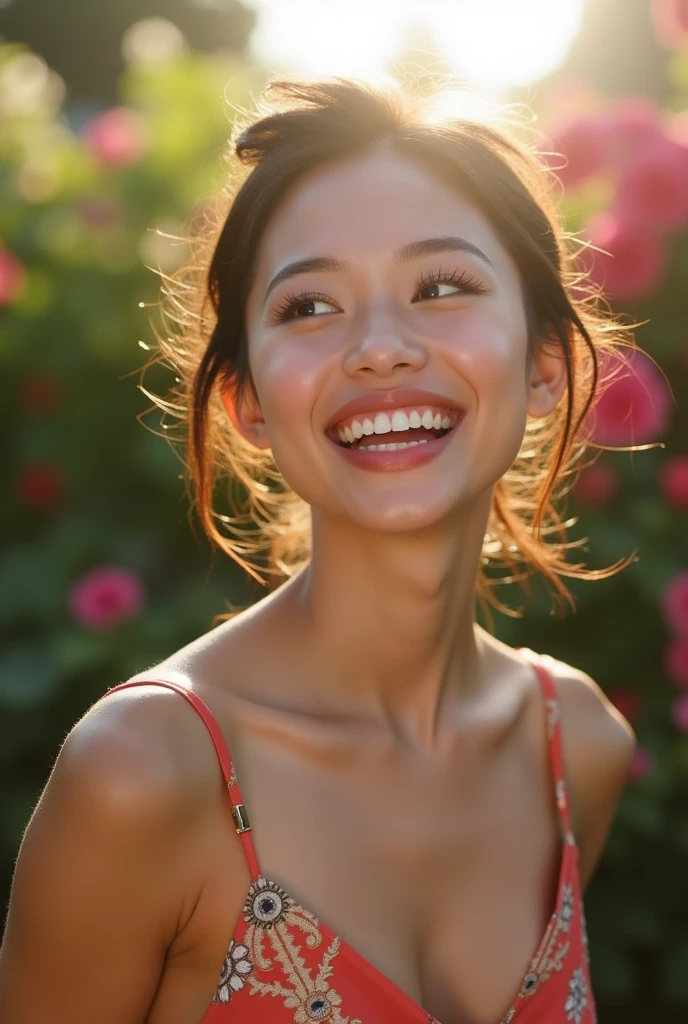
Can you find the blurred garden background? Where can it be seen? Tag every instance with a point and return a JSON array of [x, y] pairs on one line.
[[113, 123]]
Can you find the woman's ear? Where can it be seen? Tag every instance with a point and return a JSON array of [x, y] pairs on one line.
[[547, 378], [245, 414]]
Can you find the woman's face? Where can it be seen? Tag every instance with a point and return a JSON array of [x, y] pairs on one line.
[[376, 321]]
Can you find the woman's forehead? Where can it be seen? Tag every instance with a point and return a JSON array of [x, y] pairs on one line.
[[369, 206]]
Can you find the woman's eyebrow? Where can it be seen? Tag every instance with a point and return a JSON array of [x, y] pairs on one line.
[[404, 254]]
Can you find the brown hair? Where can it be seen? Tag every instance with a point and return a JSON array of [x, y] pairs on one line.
[[302, 124]]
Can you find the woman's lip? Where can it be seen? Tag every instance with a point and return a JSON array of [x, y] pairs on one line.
[[399, 459], [386, 401]]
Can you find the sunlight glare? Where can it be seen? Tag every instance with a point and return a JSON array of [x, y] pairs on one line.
[[494, 45]]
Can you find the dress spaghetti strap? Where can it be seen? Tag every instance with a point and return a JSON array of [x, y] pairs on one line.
[[239, 812], [551, 699]]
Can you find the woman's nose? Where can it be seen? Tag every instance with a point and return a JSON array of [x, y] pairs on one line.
[[383, 352]]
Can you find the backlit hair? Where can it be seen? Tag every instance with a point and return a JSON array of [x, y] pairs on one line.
[[303, 124]]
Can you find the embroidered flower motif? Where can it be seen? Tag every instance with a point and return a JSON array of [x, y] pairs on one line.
[[266, 903], [318, 1007], [235, 966], [576, 1001], [530, 983], [567, 909], [509, 1017]]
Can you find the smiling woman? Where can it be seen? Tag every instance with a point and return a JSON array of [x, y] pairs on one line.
[[382, 343]]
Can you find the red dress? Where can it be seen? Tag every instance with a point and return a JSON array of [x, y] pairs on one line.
[[283, 964]]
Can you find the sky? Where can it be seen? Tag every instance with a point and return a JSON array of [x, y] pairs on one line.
[[494, 45]]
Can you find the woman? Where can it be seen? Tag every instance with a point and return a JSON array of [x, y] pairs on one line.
[[392, 320]]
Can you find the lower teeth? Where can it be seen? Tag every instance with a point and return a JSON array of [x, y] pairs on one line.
[[388, 447]]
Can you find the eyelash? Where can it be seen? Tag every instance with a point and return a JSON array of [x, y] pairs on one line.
[[291, 302]]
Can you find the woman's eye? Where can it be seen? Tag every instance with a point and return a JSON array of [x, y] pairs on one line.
[[436, 285], [301, 307], [309, 307]]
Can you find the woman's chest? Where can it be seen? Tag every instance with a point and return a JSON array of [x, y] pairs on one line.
[[441, 886]]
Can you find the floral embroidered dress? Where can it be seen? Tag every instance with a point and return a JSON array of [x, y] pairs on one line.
[[284, 965]]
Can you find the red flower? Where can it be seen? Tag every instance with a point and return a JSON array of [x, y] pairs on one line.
[[673, 480], [105, 596], [627, 702], [679, 713], [675, 603], [635, 127], [596, 485], [12, 277], [585, 145], [642, 763], [117, 137], [653, 188], [40, 485], [40, 394], [634, 404], [676, 660], [670, 19], [633, 262]]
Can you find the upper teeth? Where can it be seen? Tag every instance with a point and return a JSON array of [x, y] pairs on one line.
[[380, 423]]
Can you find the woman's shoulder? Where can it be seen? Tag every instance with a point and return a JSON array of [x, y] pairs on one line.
[[141, 752], [598, 745]]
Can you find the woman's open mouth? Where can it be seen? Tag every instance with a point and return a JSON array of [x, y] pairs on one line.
[[395, 439]]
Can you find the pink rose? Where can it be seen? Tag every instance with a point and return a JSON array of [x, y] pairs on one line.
[[673, 480], [634, 126], [12, 277], [585, 145], [670, 20], [679, 713], [105, 596], [596, 485], [40, 486], [117, 137], [675, 603], [653, 188], [676, 660], [634, 404], [633, 263], [642, 763], [627, 702]]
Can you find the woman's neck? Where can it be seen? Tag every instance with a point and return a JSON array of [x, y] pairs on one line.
[[388, 619]]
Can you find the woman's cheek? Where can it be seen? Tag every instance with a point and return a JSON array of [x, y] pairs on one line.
[[288, 379]]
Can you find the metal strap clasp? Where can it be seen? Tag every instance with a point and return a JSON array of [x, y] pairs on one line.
[[240, 815]]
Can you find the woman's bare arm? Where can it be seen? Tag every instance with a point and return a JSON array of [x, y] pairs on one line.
[[103, 880]]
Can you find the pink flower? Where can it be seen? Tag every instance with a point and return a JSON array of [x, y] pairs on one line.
[[675, 603], [676, 660], [633, 263], [673, 480], [642, 763], [679, 713], [105, 596], [585, 145], [117, 137], [634, 403], [596, 485], [627, 702], [12, 277], [653, 187], [634, 126], [670, 19], [40, 485]]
